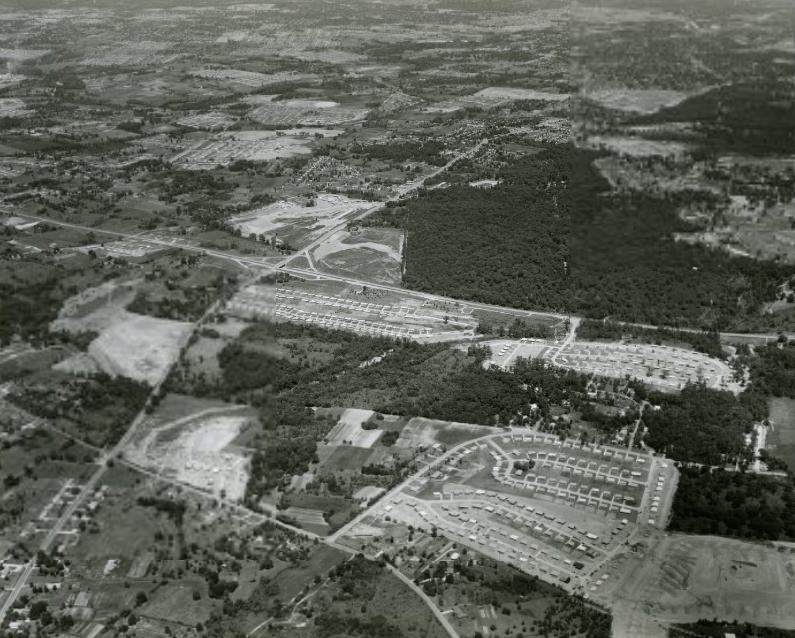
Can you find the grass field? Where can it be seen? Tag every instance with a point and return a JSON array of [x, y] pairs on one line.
[[292, 579], [421, 431], [175, 603], [781, 436]]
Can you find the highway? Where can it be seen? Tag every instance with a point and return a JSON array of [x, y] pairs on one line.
[[270, 266]]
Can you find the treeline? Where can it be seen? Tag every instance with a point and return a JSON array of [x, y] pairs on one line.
[[610, 423], [707, 342], [715, 629], [190, 307], [517, 329], [702, 425], [773, 369], [278, 461], [413, 380], [27, 311], [756, 118], [626, 265], [429, 151], [734, 504], [332, 623]]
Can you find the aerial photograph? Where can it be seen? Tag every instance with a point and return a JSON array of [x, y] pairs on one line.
[[397, 318]]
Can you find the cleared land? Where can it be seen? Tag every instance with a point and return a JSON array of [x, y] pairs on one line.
[[349, 431], [139, 347], [636, 100], [198, 450], [296, 222], [685, 578], [305, 113], [370, 254]]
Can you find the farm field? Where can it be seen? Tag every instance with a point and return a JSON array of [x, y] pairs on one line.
[[636, 100]]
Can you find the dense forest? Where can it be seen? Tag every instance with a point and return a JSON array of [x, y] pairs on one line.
[[701, 425], [756, 118], [323, 368], [550, 236], [429, 151], [734, 504], [773, 369]]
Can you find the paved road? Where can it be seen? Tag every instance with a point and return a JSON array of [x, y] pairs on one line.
[[644, 404], [451, 631], [407, 189], [270, 266]]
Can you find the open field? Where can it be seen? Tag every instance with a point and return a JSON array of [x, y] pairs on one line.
[[493, 97], [21, 55], [369, 254], [133, 345], [636, 100], [139, 347], [349, 431], [637, 147], [10, 79], [678, 579], [95, 308], [210, 121], [422, 432], [780, 440], [13, 107], [251, 79], [300, 112]]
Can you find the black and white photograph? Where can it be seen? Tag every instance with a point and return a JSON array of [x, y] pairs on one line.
[[397, 319]]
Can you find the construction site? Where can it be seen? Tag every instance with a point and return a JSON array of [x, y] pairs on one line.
[[341, 306], [662, 367]]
